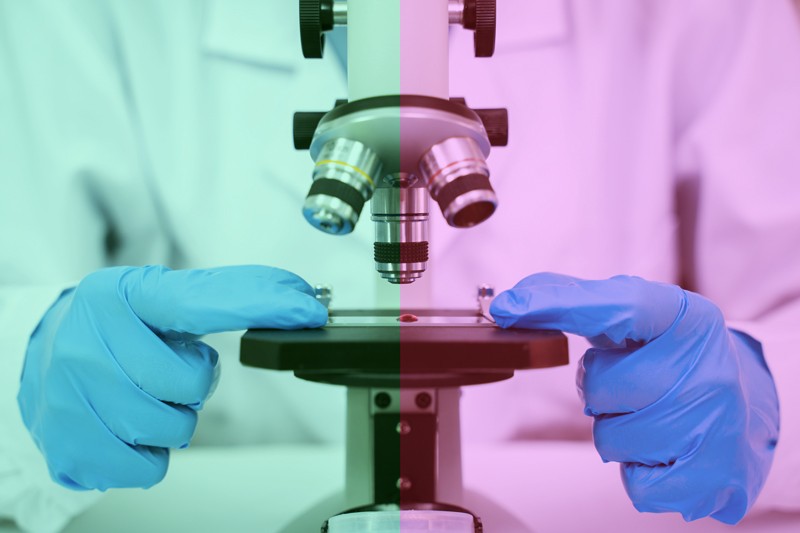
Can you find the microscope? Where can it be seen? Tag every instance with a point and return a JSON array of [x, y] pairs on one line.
[[398, 141]]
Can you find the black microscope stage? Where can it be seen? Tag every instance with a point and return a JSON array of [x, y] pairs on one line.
[[412, 348]]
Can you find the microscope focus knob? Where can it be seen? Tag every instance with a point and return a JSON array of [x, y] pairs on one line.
[[304, 126], [316, 17], [495, 122], [481, 16]]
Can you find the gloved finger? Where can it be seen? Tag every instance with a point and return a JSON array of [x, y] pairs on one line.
[[180, 371], [144, 419], [147, 421], [629, 379], [623, 307], [653, 436], [552, 278], [165, 426], [546, 278], [603, 341], [112, 463], [199, 302], [623, 381], [693, 486], [122, 466], [176, 370], [187, 377]]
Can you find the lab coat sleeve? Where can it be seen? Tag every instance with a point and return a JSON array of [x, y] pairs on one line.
[[70, 184], [739, 203]]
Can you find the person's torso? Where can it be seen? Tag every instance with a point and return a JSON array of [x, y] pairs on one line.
[[585, 185]]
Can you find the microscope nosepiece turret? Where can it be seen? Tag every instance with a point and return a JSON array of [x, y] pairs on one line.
[[400, 138]]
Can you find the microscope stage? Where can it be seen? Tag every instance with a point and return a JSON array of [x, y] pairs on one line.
[[415, 348]]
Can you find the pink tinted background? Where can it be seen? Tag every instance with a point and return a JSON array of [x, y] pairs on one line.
[[659, 139]]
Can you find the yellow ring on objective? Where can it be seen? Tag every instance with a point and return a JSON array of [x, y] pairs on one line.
[[325, 161]]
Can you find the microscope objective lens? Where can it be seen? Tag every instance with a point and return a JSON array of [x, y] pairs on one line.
[[344, 179], [456, 173], [400, 214]]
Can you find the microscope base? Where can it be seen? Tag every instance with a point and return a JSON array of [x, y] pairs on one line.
[[494, 516], [392, 521]]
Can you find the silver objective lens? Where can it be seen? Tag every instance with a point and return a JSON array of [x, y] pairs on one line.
[[400, 214], [457, 176], [344, 178]]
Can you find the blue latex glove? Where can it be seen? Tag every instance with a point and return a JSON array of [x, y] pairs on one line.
[[687, 406], [114, 374]]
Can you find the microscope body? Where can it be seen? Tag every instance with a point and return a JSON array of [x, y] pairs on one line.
[[399, 141]]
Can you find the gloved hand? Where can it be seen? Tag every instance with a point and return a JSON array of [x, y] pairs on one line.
[[687, 406], [114, 374]]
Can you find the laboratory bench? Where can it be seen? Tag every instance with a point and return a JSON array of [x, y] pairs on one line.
[[522, 487]]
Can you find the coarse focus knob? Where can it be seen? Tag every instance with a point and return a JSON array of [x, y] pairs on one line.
[[481, 16], [316, 17], [495, 122], [304, 125]]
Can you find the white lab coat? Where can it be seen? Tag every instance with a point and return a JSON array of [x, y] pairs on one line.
[[653, 138]]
